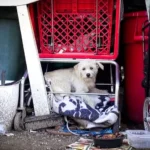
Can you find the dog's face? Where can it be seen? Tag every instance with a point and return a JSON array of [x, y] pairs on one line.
[[88, 69]]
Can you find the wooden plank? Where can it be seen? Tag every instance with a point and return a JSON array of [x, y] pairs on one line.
[[37, 84], [15, 2]]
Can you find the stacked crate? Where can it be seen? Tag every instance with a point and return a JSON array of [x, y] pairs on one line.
[[79, 28]]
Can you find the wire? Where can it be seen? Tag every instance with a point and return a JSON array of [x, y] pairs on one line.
[[68, 127]]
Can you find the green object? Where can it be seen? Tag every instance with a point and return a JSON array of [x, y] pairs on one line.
[[11, 50]]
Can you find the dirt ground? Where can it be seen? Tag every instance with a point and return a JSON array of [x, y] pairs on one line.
[[37, 141]]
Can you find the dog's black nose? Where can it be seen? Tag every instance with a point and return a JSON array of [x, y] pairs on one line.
[[88, 75]]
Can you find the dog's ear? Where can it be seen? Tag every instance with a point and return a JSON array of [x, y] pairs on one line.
[[76, 69], [99, 65]]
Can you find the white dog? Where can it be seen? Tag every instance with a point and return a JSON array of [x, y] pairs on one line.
[[80, 79]]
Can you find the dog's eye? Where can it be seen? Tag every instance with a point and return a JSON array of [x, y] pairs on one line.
[[83, 68], [91, 68]]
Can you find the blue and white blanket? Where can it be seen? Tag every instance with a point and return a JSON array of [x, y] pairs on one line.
[[103, 113]]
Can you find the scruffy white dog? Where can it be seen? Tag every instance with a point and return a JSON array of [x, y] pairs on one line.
[[80, 79]]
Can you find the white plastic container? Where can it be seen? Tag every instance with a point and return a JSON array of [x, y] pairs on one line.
[[138, 139], [9, 95]]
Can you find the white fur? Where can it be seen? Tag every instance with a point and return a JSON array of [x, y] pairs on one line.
[[80, 79]]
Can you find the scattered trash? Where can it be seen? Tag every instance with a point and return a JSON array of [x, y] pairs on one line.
[[9, 134], [88, 144], [82, 144], [32, 131]]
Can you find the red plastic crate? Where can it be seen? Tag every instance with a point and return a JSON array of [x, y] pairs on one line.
[[79, 28]]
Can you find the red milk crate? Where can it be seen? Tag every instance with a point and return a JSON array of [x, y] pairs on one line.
[[79, 28]]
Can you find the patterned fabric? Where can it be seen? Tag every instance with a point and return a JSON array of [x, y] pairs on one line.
[[104, 111]]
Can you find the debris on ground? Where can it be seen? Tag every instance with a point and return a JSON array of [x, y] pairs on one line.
[[85, 143], [9, 134], [40, 141], [37, 141]]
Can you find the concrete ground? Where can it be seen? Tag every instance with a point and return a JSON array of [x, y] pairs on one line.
[[38, 141]]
